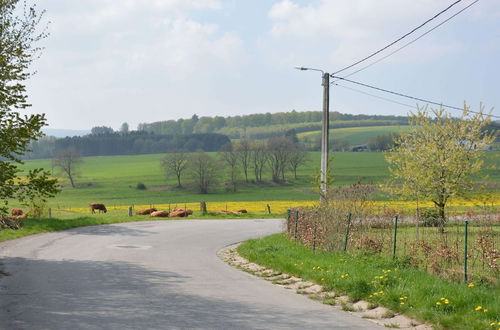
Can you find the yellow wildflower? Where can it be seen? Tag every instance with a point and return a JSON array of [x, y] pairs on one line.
[[471, 285], [478, 308]]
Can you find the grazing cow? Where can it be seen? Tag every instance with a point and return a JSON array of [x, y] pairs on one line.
[[98, 206], [243, 211], [146, 211], [161, 214], [16, 212]]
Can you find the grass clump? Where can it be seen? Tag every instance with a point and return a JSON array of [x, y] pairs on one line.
[[382, 281]]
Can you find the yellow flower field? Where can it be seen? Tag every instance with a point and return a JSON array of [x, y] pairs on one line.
[[260, 207]]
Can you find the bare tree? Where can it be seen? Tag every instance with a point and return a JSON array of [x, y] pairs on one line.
[[67, 161], [298, 157], [279, 150], [175, 163], [204, 169], [259, 159], [229, 156], [244, 151]]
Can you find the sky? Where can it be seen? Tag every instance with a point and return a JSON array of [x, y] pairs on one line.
[[139, 61]]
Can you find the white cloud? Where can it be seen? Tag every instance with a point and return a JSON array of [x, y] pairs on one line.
[[351, 29]]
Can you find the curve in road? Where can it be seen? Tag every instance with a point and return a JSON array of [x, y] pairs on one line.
[[149, 275]]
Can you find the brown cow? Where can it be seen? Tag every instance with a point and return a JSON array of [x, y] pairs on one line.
[[181, 210], [161, 214], [180, 213], [146, 211], [16, 212], [98, 206]]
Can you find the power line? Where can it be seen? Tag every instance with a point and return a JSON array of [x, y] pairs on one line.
[[411, 42], [399, 39], [408, 96], [376, 96]]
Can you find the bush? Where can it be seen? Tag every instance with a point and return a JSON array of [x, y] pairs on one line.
[[141, 186], [430, 217]]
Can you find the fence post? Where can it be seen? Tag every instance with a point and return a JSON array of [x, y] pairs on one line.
[[288, 221], [130, 211], [395, 237], [314, 234], [50, 212], [347, 232], [296, 223], [268, 209], [466, 234]]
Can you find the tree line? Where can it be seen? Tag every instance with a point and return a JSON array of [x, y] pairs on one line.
[[108, 143], [235, 124], [244, 161]]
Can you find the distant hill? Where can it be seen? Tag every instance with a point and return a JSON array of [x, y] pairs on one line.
[[61, 133], [265, 125]]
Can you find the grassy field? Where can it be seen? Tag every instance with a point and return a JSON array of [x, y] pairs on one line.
[[383, 281], [113, 180], [354, 135]]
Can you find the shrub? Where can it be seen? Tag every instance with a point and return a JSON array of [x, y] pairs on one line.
[[141, 186], [430, 217]]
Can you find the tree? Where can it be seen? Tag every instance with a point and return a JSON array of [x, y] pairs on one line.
[[383, 142], [101, 130], [204, 169], [437, 158], [19, 36], [244, 150], [259, 158], [175, 163], [298, 156], [229, 156], [124, 129], [338, 144], [279, 150], [67, 161]]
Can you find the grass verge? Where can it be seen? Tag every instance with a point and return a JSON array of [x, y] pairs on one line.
[[383, 281], [33, 226]]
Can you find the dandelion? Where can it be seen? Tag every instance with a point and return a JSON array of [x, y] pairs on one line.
[[485, 310], [478, 308], [471, 285], [446, 301], [438, 303], [401, 303]]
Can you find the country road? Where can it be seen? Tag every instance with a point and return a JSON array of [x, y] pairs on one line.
[[149, 275]]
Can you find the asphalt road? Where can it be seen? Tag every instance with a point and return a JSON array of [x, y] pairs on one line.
[[149, 275]]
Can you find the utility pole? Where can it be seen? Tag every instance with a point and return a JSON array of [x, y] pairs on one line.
[[324, 135], [325, 128]]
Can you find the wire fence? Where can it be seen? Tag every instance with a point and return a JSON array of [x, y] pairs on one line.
[[466, 249]]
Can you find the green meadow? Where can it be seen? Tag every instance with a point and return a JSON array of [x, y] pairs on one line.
[[354, 135], [113, 180]]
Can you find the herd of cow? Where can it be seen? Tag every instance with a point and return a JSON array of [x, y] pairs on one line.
[[152, 212]]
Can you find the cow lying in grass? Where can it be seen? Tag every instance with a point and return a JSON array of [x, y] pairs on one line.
[[16, 212], [146, 211], [98, 206]]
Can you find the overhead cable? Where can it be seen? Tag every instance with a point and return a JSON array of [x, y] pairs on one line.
[[411, 42], [399, 39], [376, 96], [409, 96]]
